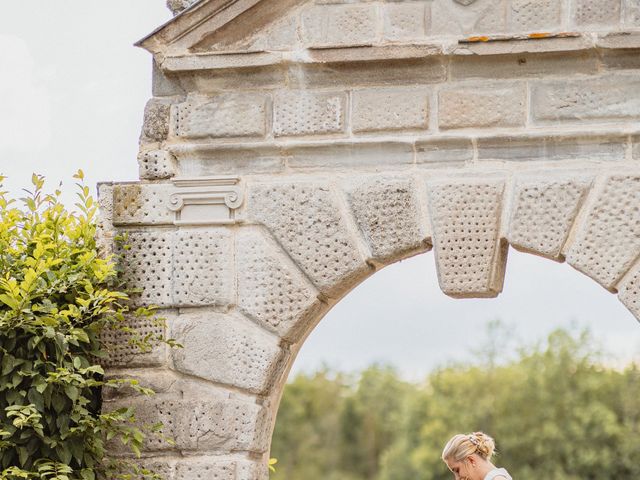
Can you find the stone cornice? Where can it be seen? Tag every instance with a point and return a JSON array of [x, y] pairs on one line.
[[486, 45]]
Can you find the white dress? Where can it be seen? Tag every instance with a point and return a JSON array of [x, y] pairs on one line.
[[497, 471]]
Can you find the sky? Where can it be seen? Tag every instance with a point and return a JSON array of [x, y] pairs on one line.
[[72, 93]]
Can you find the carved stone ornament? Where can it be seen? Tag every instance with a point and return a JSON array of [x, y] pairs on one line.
[[206, 200], [464, 2]]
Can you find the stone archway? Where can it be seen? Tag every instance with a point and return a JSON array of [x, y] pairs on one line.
[[291, 150]]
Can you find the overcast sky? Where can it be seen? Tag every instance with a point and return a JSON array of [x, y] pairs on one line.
[[72, 92]]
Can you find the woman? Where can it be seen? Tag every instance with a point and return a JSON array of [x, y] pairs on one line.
[[469, 458]]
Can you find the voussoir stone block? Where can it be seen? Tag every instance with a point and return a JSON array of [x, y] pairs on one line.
[[482, 107], [405, 21], [535, 15], [608, 241], [208, 424], [334, 25], [306, 220], [388, 215], [596, 12], [629, 292], [138, 203], [271, 288], [216, 468], [465, 217], [146, 260], [203, 272], [308, 113], [611, 97], [228, 349], [390, 109], [223, 115], [543, 212]]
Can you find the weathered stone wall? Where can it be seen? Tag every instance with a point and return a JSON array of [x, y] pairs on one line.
[[278, 175]]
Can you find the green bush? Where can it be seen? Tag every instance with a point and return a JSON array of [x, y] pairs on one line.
[[56, 296]]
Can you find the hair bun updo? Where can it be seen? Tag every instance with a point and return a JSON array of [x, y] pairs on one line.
[[462, 446], [485, 445]]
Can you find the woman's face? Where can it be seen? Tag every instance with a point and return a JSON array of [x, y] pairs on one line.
[[462, 470]]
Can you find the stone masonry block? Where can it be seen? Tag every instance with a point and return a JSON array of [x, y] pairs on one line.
[[307, 222], [271, 289], [155, 126], [632, 12], [156, 165], [406, 21], [139, 203], [629, 292], [543, 212], [124, 353], [228, 349], [147, 262], [388, 215], [334, 25], [217, 468], [467, 17], [596, 12], [535, 15], [444, 150], [608, 241], [611, 97], [199, 424], [308, 113], [223, 115], [517, 148], [203, 271], [482, 107], [390, 109], [465, 217]]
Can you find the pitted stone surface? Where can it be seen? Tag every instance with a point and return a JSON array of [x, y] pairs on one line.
[[308, 113], [141, 204], [543, 212], [466, 221], [612, 97], [227, 349], [629, 292], [608, 241], [156, 165], [147, 264], [203, 271], [215, 468], [482, 107], [596, 12], [535, 15], [271, 289], [306, 221], [387, 213], [224, 115], [339, 25], [123, 353], [390, 109], [155, 126], [199, 424], [406, 21]]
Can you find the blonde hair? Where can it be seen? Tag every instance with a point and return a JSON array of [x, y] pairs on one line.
[[462, 446]]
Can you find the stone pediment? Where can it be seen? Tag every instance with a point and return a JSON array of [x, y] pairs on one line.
[[238, 33]]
